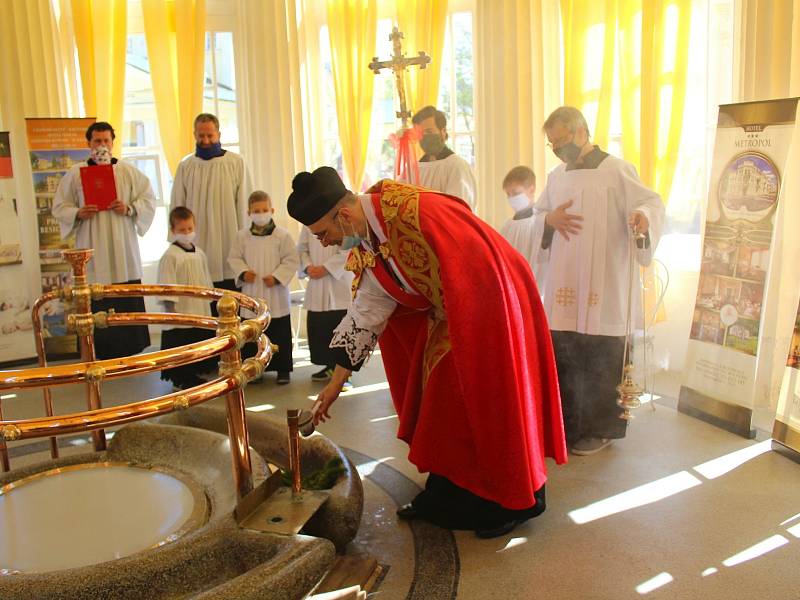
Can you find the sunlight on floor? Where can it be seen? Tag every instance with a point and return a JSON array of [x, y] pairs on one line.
[[724, 464], [260, 408], [378, 419], [709, 571], [513, 543], [366, 469], [638, 496], [756, 550], [654, 583], [362, 389]]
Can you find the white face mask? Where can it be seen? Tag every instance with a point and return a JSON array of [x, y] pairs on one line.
[[185, 239], [518, 202], [101, 155], [261, 219]]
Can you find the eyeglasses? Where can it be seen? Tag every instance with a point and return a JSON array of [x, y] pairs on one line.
[[323, 235], [560, 143]]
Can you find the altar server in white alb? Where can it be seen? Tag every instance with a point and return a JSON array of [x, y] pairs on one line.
[[112, 234], [327, 297], [520, 230], [264, 259], [213, 183], [183, 263], [588, 211], [441, 169]]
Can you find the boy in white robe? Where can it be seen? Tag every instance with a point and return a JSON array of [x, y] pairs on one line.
[[327, 297], [590, 210], [183, 263], [213, 183], [264, 258], [112, 234], [520, 230], [441, 169]]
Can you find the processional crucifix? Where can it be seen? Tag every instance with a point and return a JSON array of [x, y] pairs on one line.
[[405, 161]]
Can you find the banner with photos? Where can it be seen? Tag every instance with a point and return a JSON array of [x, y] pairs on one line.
[[750, 151], [16, 340], [54, 145]]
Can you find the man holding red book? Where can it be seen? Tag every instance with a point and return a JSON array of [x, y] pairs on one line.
[[106, 204]]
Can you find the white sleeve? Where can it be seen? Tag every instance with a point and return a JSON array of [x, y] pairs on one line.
[[462, 184], [167, 275], [290, 260], [65, 204], [640, 198], [242, 193], [142, 201], [178, 196], [303, 251], [365, 320], [335, 264], [236, 257]]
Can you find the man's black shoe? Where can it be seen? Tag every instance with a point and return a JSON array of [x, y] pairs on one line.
[[493, 532], [407, 512]]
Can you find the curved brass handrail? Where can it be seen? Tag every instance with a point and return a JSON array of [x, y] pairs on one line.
[[231, 335]]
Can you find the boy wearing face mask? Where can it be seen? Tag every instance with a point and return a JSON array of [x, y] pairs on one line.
[[520, 230], [184, 264], [265, 259], [440, 169]]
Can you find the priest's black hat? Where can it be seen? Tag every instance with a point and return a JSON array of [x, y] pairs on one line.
[[314, 194]]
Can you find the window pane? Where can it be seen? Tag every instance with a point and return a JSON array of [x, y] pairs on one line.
[[139, 114], [150, 167], [225, 78]]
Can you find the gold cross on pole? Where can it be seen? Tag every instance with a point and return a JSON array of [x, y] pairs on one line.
[[398, 64]]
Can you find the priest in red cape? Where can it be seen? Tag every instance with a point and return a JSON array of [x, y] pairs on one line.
[[464, 340]]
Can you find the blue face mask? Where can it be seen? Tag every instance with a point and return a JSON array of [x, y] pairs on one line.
[[350, 241], [209, 152]]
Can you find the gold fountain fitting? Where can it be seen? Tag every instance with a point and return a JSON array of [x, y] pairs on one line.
[[629, 394]]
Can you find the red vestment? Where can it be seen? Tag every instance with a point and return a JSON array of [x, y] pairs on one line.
[[470, 368]]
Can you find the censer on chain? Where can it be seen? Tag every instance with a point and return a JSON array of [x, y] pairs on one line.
[[628, 391]]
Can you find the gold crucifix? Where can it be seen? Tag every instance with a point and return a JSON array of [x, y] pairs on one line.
[[398, 64]]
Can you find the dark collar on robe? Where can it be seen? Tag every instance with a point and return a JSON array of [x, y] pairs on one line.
[[443, 154], [590, 161], [184, 248], [262, 231], [525, 213], [91, 162]]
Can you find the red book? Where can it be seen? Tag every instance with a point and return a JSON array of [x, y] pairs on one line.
[[99, 187]]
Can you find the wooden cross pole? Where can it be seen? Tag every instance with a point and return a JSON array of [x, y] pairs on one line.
[[398, 64]]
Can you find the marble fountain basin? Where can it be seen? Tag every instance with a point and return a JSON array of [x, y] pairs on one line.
[[152, 517]]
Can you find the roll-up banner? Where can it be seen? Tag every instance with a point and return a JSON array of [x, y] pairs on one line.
[[749, 161], [54, 146]]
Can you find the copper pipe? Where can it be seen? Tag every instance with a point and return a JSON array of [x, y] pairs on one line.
[[174, 319], [117, 415], [117, 367], [292, 418], [4, 462], [42, 354]]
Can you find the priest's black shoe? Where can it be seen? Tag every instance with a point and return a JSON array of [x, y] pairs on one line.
[[407, 512], [498, 530]]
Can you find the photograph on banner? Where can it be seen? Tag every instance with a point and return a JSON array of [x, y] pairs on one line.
[[794, 349], [54, 145], [750, 153], [6, 170], [787, 418]]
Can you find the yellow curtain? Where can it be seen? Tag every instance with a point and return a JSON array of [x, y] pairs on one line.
[[653, 86], [589, 30], [175, 31], [423, 25], [101, 29], [352, 26]]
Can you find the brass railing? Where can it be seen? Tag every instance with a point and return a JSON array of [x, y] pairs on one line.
[[234, 374]]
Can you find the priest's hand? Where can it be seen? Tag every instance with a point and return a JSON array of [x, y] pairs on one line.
[[269, 280], [249, 276], [119, 207], [565, 223], [638, 222], [87, 212], [316, 271], [329, 394]]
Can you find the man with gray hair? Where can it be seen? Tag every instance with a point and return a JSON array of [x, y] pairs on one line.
[[213, 183], [590, 214]]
